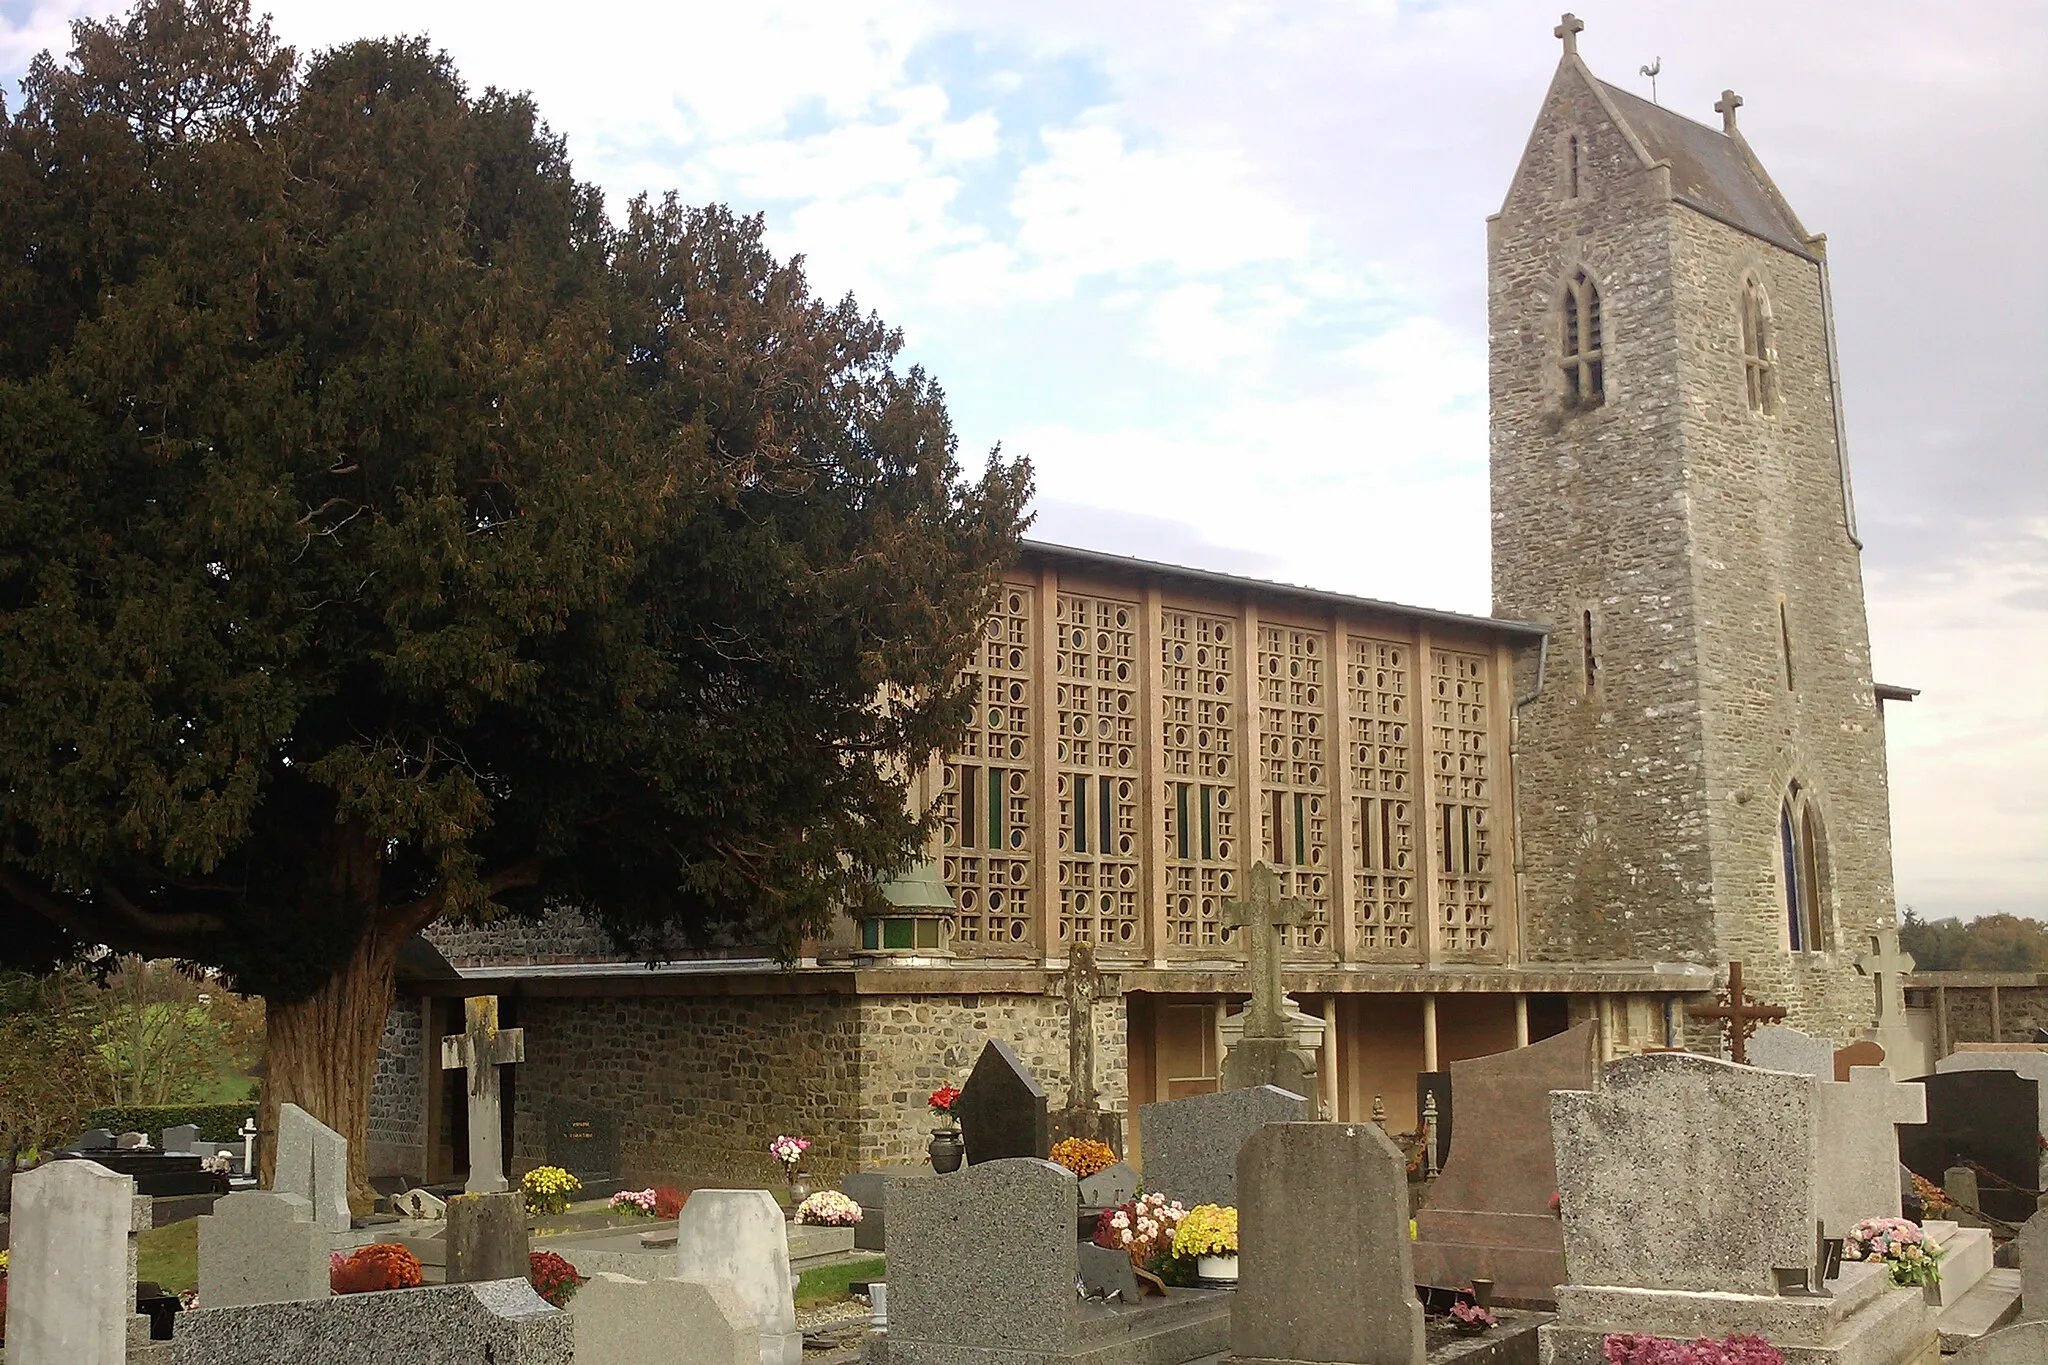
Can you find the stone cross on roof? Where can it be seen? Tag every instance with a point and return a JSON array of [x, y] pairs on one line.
[[1726, 107], [1887, 964], [1737, 1015], [481, 1048], [1262, 918], [1569, 28]]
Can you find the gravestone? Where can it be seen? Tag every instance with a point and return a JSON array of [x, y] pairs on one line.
[[1488, 1215], [2023, 1343], [1860, 1145], [1887, 965], [1986, 1117], [1864, 1053], [2030, 1250], [623, 1320], [259, 1247], [1107, 1273], [1191, 1145], [502, 1321], [91, 1140], [983, 1267], [423, 1206], [312, 1163], [738, 1237], [1002, 1110], [180, 1137], [70, 1286], [1267, 1052], [132, 1141], [1736, 1014], [480, 1049], [1109, 1187], [870, 1190], [2027, 1061], [1324, 1273], [487, 1237], [1779, 1047], [584, 1141]]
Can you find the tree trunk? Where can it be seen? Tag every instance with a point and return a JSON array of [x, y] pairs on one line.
[[321, 1052]]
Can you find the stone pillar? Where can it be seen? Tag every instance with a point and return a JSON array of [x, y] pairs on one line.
[[1429, 1033], [1521, 1019], [487, 1237]]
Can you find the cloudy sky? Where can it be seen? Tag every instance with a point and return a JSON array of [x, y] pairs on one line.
[[1218, 268]]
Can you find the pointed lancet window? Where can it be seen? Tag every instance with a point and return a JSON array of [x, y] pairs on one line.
[[1759, 348], [1584, 358]]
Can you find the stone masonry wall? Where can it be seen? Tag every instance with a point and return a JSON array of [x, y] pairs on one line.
[[912, 1045], [1769, 523], [398, 1097], [1589, 513]]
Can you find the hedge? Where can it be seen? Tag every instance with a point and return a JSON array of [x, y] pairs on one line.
[[217, 1122]]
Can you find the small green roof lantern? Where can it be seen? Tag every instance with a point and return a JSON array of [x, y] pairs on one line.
[[919, 921], [919, 889]]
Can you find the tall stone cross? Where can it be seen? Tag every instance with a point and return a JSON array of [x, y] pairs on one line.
[[1083, 987], [481, 1049], [1726, 107], [1262, 918], [1737, 1015], [1569, 28], [1887, 964]]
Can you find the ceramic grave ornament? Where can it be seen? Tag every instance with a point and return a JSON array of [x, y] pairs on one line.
[[480, 1050]]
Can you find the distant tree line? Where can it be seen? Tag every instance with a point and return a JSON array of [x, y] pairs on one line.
[[1989, 943]]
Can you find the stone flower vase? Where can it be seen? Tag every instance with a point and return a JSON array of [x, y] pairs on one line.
[[946, 1150], [1217, 1269], [800, 1189]]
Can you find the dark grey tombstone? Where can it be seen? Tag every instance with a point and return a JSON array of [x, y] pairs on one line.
[[1001, 1109], [180, 1137], [91, 1140], [1437, 1083], [1190, 1146], [584, 1141], [1988, 1120], [1106, 1273], [870, 1190]]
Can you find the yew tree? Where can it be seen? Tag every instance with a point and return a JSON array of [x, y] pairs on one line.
[[387, 533]]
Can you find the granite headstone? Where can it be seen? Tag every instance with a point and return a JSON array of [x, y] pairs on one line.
[[179, 1137], [1987, 1117], [1324, 1273], [2023, 1343], [1109, 1187], [260, 1247], [1859, 1140], [622, 1320], [1780, 1047], [70, 1288], [738, 1237], [2028, 1061], [500, 1320], [984, 1259], [1488, 1215], [1002, 1109], [312, 1163], [583, 1139], [1190, 1145]]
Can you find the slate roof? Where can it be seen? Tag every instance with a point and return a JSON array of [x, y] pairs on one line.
[[1709, 171]]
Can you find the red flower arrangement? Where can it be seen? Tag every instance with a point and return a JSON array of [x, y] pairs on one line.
[[943, 1098], [1640, 1348], [554, 1279], [379, 1266], [669, 1201]]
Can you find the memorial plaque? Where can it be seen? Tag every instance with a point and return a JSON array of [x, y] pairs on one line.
[[584, 1141]]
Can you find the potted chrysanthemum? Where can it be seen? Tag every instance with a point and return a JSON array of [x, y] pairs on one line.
[[1209, 1234]]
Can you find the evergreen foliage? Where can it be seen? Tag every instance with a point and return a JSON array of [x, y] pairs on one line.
[[1989, 943]]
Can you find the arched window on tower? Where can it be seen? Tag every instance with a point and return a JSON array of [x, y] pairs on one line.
[[1585, 386], [1800, 852], [1759, 348]]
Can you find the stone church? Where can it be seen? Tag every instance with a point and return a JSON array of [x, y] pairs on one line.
[[1662, 753]]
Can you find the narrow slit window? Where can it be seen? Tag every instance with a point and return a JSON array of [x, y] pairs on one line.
[[1081, 814], [1180, 821], [1300, 829], [1785, 644], [1584, 359], [1207, 843], [995, 808], [1788, 845], [1105, 816], [1368, 833], [1592, 660], [1572, 164], [1277, 804], [969, 780]]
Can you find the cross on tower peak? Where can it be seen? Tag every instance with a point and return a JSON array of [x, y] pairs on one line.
[[1569, 28], [1726, 107], [1737, 1015]]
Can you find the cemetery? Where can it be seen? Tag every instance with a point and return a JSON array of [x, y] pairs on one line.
[[1256, 974]]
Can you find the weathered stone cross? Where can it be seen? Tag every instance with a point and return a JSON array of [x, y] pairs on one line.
[[1737, 1015], [1083, 988], [1262, 918], [1569, 28], [480, 1050], [1726, 107], [1887, 964]]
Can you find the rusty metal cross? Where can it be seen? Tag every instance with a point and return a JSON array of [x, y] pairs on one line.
[[1737, 1015]]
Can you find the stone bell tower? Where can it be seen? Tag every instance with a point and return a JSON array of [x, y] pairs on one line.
[[1703, 775]]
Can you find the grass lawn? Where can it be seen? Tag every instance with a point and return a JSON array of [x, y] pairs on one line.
[[827, 1283], [169, 1255]]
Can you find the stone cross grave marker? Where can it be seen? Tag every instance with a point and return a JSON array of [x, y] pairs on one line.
[[1860, 1145], [312, 1162], [1737, 1014], [1002, 1110], [1082, 985], [258, 1247], [1262, 917], [480, 1050], [1886, 964]]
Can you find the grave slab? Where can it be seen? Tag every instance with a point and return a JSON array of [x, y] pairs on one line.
[[738, 1237], [1982, 1316], [625, 1321], [869, 1189], [312, 1163], [1488, 1215], [70, 1285], [502, 1321], [259, 1247], [1002, 1108], [1325, 1272], [1190, 1146]]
